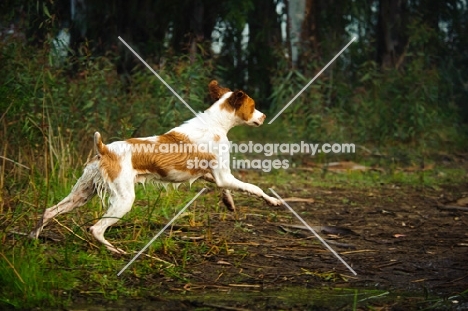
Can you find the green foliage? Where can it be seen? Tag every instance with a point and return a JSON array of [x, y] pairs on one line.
[[155, 109], [27, 282], [47, 274], [366, 104], [49, 114]]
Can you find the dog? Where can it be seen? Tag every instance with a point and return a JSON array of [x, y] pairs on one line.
[[117, 166]]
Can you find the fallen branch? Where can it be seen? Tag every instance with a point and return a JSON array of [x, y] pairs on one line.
[[71, 231], [169, 264], [452, 208], [220, 307]]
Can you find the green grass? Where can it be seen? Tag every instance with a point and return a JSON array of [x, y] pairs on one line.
[[46, 273], [46, 137], [42, 274], [28, 280]]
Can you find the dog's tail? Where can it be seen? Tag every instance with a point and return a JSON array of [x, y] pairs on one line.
[[99, 146]]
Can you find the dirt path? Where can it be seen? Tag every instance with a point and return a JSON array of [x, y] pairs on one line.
[[397, 239], [408, 245]]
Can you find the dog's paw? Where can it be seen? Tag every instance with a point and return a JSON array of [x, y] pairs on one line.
[[116, 250], [33, 235], [228, 201], [273, 201]]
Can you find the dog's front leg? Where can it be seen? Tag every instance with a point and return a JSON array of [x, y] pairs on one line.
[[226, 196], [225, 179]]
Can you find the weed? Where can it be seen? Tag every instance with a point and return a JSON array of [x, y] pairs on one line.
[[27, 282]]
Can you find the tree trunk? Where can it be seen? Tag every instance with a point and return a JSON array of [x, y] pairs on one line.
[[196, 24], [310, 26], [391, 33], [264, 38], [296, 14]]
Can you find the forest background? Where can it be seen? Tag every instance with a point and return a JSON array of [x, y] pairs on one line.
[[400, 89], [399, 92]]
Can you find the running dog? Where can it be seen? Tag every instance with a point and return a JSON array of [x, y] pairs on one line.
[[117, 166]]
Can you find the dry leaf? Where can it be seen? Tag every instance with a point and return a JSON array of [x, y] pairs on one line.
[[344, 166], [462, 201], [225, 263], [295, 199]]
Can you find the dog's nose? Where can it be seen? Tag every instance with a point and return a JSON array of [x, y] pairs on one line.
[[263, 117]]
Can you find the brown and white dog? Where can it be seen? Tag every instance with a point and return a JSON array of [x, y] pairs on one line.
[[119, 165]]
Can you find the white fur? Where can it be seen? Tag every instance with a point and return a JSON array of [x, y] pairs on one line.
[[217, 123]]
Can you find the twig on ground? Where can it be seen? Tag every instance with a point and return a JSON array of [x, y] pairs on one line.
[[452, 208], [169, 264], [13, 268], [71, 231]]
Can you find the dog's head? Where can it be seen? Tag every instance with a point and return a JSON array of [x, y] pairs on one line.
[[238, 103]]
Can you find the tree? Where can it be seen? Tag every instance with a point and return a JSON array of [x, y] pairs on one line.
[[262, 55], [391, 34]]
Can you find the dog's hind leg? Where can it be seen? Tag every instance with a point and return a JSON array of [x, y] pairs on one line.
[[121, 197], [82, 192]]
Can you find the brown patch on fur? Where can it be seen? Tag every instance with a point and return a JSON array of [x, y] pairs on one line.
[[216, 137], [241, 103], [144, 162], [226, 106], [109, 161], [110, 164], [233, 102], [162, 162], [246, 110], [216, 92]]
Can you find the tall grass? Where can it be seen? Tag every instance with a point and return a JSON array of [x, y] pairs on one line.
[[26, 282], [48, 115]]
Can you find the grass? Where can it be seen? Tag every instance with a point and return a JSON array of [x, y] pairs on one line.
[[46, 135], [45, 273], [48, 274], [36, 273], [21, 270]]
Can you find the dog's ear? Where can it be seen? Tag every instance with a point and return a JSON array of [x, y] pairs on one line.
[[236, 99], [216, 91]]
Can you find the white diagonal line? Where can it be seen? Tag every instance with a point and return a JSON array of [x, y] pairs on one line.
[[159, 233], [161, 79], [311, 81], [315, 233]]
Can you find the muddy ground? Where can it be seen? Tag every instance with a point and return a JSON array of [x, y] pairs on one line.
[[408, 245]]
